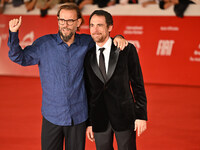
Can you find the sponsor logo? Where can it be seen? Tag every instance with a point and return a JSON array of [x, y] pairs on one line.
[[84, 27], [196, 57], [3, 37], [169, 28], [2, 25], [27, 40], [137, 30], [165, 47]]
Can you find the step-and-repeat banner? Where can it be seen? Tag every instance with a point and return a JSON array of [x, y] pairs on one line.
[[168, 47]]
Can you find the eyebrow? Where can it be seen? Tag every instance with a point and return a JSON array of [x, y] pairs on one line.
[[97, 24], [67, 19]]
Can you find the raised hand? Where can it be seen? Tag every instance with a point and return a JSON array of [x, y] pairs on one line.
[[15, 24]]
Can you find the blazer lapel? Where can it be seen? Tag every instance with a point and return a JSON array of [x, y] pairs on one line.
[[114, 55], [94, 65]]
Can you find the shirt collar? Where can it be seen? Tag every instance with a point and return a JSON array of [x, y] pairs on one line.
[[107, 45], [58, 38]]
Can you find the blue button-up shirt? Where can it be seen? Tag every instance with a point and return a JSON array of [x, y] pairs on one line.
[[61, 74]]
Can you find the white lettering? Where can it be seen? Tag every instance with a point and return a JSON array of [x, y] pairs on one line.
[[3, 37], [2, 25], [165, 47], [169, 28], [138, 30], [133, 32], [85, 27], [196, 52], [134, 27], [195, 59]]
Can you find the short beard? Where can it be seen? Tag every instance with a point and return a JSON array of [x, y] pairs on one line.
[[99, 40], [65, 38]]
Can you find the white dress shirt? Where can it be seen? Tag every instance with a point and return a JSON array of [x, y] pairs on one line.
[[106, 52]]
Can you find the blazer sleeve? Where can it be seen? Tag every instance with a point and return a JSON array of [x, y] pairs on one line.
[[87, 86], [137, 83]]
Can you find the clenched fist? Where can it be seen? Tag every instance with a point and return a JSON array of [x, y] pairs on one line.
[[15, 24]]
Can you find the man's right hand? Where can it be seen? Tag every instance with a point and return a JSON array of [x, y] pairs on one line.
[[15, 24]]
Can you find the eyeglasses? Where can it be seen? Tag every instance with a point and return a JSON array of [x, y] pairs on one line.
[[68, 22]]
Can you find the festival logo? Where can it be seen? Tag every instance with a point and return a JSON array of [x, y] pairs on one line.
[[27, 40]]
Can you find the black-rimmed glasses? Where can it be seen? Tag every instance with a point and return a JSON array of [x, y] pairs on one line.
[[68, 22]]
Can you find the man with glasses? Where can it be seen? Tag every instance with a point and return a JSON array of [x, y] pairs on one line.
[[60, 60]]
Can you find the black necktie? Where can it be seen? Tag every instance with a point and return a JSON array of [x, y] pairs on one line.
[[102, 63]]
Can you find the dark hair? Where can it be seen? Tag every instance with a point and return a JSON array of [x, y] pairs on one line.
[[107, 15], [43, 12], [71, 6]]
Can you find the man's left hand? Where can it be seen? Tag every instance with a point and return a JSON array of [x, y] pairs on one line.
[[140, 126]]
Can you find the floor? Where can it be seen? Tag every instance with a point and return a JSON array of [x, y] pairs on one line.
[[173, 113]]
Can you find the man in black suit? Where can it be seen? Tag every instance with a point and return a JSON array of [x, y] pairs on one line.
[[114, 83]]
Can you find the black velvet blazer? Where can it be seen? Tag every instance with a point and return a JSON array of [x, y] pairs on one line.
[[121, 98]]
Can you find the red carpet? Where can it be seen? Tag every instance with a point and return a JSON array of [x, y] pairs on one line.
[[173, 111]]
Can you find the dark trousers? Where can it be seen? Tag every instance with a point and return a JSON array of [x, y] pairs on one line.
[[126, 140], [53, 136]]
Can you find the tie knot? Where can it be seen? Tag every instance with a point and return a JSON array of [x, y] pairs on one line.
[[101, 49]]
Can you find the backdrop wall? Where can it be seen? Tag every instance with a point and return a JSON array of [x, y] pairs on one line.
[[168, 47]]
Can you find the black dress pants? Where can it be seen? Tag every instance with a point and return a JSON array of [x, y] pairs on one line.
[[126, 140], [53, 136]]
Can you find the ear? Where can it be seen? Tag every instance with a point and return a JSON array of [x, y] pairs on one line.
[[110, 28], [79, 22]]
